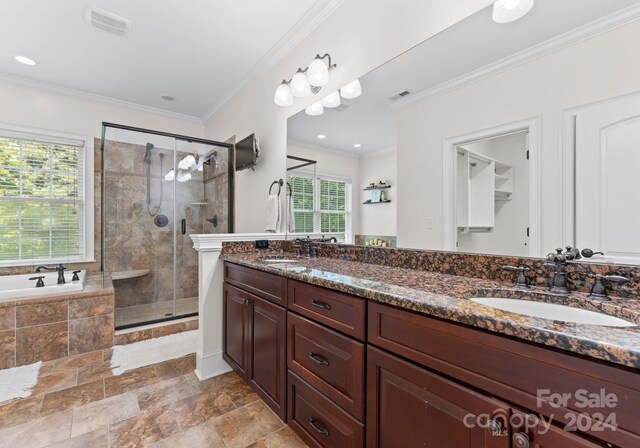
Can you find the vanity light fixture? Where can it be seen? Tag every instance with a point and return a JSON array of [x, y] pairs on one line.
[[351, 90], [305, 81], [315, 109], [322, 136], [505, 11], [331, 100], [25, 60]]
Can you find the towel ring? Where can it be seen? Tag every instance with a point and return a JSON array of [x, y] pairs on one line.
[[279, 182]]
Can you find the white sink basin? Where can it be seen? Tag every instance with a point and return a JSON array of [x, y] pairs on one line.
[[552, 311]]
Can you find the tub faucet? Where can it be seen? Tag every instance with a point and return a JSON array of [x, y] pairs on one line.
[[59, 269]]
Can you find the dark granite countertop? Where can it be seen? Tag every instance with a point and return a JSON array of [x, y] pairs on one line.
[[446, 296]]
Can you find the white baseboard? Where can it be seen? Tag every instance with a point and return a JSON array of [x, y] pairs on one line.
[[210, 365]]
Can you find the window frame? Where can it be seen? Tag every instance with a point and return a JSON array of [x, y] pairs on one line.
[[317, 213], [87, 198]]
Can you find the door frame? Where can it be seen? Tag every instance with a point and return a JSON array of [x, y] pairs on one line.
[[567, 182], [530, 125]]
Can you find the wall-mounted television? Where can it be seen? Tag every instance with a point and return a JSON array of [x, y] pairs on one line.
[[247, 153]]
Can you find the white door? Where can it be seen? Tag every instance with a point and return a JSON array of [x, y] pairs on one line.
[[607, 179]]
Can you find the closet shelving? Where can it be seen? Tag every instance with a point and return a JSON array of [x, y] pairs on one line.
[[481, 181]]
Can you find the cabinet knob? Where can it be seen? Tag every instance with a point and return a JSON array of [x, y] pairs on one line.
[[495, 427], [521, 440]]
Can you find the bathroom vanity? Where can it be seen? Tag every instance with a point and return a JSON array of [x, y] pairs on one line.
[[353, 354]]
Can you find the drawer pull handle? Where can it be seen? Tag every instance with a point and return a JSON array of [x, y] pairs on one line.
[[323, 431], [318, 359], [324, 306]]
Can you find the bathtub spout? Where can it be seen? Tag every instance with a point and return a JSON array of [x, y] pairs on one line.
[[60, 269]]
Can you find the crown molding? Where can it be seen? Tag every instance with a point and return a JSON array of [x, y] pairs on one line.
[[344, 153], [69, 92], [547, 47], [309, 21]]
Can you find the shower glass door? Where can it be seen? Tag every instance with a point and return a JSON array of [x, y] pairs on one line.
[[157, 190]]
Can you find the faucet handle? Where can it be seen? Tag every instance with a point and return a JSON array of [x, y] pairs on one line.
[[599, 290], [75, 276], [40, 282], [521, 282]]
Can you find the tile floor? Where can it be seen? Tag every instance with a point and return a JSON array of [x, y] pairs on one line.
[[78, 403]]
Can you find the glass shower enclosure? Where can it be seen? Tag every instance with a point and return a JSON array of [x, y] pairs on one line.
[[158, 189]]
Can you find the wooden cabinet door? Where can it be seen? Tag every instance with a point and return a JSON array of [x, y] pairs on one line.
[[529, 430], [236, 329], [268, 371], [408, 407]]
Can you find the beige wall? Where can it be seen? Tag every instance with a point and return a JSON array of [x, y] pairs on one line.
[[379, 219], [360, 35], [598, 68], [63, 113]]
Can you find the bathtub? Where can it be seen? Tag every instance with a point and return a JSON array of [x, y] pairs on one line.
[[16, 286]]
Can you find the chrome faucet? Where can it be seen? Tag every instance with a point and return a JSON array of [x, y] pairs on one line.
[[59, 269]]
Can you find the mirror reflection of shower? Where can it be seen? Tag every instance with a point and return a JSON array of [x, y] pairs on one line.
[[153, 211]]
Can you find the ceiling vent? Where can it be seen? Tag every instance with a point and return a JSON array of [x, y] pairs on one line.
[[400, 95], [107, 21]]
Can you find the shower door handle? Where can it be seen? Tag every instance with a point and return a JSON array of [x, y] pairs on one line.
[[184, 226]]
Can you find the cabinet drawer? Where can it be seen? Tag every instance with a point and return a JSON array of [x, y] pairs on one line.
[[342, 312], [268, 286], [514, 370], [318, 421], [329, 361]]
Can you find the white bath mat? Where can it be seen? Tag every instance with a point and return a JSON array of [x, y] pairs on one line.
[[152, 351], [17, 382]]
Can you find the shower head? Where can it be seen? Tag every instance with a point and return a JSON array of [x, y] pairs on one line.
[[147, 153]]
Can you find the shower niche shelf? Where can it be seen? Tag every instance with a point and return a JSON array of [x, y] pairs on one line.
[[125, 275]]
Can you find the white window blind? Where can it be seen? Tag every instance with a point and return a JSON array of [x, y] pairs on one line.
[[42, 198], [322, 206]]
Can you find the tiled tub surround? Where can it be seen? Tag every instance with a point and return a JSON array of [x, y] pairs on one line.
[[446, 296], [45, 328]]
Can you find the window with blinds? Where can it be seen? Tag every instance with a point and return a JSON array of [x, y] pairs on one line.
[[321, 206], [42, 199]]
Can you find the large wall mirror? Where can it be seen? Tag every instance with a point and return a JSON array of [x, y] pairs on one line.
[[507, 139]]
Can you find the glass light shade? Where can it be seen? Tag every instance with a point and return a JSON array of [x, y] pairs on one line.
[[299, 85], [505, 11], [170, 175], [331, 100], [283, 95], [315, 109], [187, 162], [183, 176], [318, 73], [351, 90]]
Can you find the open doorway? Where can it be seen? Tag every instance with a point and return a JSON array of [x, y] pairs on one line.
[[491, 191]]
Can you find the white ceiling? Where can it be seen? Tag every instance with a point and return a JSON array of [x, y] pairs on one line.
[[469, 45], [196, 51]]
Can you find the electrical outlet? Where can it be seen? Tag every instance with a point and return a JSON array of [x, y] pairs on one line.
[[262, 244], [429, 223]]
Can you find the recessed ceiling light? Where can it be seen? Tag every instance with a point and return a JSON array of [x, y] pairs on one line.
[[505, 11], [357, 145], [168, 98], [322, 136], [25, 60]]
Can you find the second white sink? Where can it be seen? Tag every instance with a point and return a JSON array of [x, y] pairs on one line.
[[553, 311]]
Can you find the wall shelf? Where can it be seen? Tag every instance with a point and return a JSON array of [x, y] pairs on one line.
[[367, 202], [376, 188], [125, 275]]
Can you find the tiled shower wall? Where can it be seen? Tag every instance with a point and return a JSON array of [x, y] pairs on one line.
[[133, 240]]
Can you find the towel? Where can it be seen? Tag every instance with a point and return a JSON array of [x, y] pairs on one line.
[[291, 224], [273, 214]]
